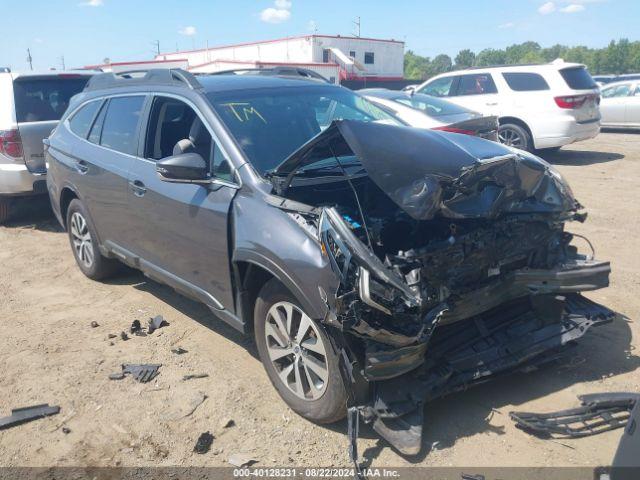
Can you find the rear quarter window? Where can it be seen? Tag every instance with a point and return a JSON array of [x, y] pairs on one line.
[[81, 121], [44, 99], [525, 82], [578, 78]]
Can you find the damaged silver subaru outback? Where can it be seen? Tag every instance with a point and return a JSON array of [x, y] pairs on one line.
[[379, 266]]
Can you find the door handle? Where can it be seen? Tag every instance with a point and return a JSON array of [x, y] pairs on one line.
[[82, 167], [138, 188]]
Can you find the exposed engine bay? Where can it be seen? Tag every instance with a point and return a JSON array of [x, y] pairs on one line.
[[453, 260]]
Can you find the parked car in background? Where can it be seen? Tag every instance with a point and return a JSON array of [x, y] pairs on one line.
[[424, 111], [378, 266], [603, 80], [30, 106], [538, 106], [620, 106]]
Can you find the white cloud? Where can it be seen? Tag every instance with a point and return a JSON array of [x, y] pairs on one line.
[[189, 31], [92, 3], [281, 12], [572, 8], [547, 8], [507, 25]]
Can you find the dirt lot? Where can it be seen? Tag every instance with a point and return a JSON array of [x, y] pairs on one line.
[[49, 353]]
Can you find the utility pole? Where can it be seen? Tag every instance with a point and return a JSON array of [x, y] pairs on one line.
[[62, 62], [356, 22], [157, 45], [29, 59]]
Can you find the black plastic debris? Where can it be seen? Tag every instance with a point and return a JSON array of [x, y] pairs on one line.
[[124, 336], [66, 430], [600, 412], [204, 443], [472, 476], [136, 328], [195, 375], [112, 335], [155, 323], [27, 414], [94, 324], [143, 373], [179, 351]]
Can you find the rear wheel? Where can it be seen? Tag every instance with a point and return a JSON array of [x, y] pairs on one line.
[[5, 207], [514, 135], [298, 356], [84, 244]]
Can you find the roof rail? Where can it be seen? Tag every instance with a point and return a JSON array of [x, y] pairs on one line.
[[279, 71], [5, 70], [156, 76]]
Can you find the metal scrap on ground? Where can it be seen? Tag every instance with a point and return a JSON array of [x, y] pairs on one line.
[[600, 412], [143, 373], [204, 443], [27, 414], [195, 375], [155, 323]]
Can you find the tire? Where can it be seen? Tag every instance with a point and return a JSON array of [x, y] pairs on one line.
[[83, 241], [323, 402], [514, 135], [5, 210], [542, 151]]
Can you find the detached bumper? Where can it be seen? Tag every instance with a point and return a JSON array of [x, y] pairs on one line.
[[16, 179], [514, 337]]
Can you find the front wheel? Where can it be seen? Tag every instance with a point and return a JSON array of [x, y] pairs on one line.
[[5, 210], [84, 244], [513, 135], [298, 356]]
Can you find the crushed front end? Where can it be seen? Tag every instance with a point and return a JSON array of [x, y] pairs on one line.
[[453, 261]]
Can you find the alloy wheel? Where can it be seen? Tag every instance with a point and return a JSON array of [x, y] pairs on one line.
[[81, 238], [296, 351], [510, 138]]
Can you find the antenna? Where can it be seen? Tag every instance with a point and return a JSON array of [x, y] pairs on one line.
[[356, 22], [62, 62], [156, 43], [29, 59]]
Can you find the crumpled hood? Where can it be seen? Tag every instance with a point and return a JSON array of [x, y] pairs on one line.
[[429, 173]]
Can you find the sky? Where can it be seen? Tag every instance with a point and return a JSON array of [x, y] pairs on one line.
[[86, 32]]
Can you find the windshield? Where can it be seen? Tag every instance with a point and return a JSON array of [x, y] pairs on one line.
[[432, 106], [271, 124]]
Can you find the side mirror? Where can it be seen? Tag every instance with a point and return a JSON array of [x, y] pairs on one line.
[[183, 168]]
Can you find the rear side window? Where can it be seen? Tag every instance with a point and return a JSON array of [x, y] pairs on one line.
[[81, 121], [578, 78], [525, 82], [44, 99], [119, 131], [477, 84]]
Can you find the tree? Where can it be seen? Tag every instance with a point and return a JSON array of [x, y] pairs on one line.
[[465, 59], [489, 56], [441, 64], [416, 67]]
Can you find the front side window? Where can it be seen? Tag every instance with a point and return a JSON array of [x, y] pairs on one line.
[[525, 82], [432, 106], [438, 88], [477, 84], [82, 120], [369, 58], [637, 92], [617, 91], [41, 99], [175, 128], [119, 131], [269, 125]]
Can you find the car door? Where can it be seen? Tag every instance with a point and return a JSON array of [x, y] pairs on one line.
[[181, 230], [614, 102], [632, 112], [102, 164], [477, 91]]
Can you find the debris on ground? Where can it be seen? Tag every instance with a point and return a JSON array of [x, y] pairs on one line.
[[241, 460], [136, 328], [94, 324], [194, 375], [112, 335], [124, 336], [600, 412], [228, 423], [179, 351], [204, 443], [27, 414], [183, 406], [143, 373], [66, 430], [155, 323]]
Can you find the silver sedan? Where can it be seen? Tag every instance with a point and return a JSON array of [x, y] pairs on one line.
[[620, 105]]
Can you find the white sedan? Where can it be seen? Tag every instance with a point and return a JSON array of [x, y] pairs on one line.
[[620, 104]]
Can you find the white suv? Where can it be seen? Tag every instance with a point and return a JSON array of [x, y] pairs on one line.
[[30, 106], [538, 106]]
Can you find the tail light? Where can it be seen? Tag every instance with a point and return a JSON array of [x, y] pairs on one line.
[[11, 143], [456, 130], [574, 101]]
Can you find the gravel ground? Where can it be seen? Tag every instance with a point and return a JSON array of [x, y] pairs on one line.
[[50, 353]]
